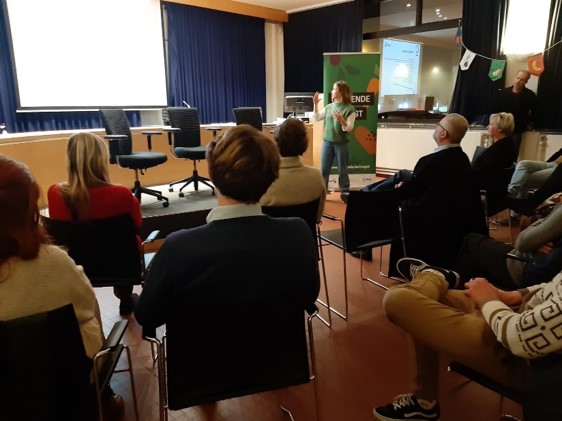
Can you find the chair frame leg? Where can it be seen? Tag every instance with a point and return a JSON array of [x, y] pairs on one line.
[[195, 179], [326, 304], [386, 275], [138, 190]]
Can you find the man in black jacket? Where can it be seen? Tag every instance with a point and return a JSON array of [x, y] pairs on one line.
[[441, 198]]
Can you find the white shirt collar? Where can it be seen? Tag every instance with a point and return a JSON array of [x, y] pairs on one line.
[[234, 211]]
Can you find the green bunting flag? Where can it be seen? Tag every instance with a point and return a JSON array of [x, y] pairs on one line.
[[496, 69]]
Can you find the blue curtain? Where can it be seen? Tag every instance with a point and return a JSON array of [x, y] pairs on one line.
[[311, 33], [36, 121], [216, 61]]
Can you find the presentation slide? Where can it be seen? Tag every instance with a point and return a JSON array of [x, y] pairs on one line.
[[400, 67], [73, 54]]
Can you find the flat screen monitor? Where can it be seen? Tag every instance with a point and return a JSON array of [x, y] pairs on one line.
[[298, 103]]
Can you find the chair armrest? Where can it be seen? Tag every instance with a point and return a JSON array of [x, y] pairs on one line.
[[151, 237], [116, 334], [170, 131], [149, 135], [111, 137], [331, 217], [516, 257]]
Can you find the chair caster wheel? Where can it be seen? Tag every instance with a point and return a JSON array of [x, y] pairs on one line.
[[166, 204], [170, 189], [181, 194]]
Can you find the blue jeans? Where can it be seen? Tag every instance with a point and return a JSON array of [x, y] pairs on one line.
[[404, 176], [340, 152], [529, 174]]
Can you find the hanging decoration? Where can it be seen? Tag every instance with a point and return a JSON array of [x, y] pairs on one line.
[[466, 60], [458, 36], [496, 69], [536, 64]]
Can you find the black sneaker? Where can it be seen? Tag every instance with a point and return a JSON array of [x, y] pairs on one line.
[[406, 408], [409, 268]]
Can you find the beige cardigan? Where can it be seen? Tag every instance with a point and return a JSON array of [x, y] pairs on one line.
[[49, 281], [296, 184]]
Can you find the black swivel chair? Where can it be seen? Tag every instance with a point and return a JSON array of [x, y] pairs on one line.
[[248, 115], [46, 372], [121, 150], [185, 141]]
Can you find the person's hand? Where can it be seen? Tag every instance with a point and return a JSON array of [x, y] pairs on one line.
[[339, 117], [316, 98], [546, 248], [480, 290]]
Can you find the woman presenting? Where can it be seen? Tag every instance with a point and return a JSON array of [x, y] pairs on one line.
[[339, 119]]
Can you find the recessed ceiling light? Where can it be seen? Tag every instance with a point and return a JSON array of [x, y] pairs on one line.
[[437, 10], [408, 5], [445, 18]]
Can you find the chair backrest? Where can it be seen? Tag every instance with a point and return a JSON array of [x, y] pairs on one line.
[[234, 349], [477, 152], [306, 211], [248, 115], [44, 368], [496, 190], [372, 217], [186, 119], [114, 121], [107, 248]]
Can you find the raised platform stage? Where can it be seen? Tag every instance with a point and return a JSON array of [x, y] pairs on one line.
[[184, 212]]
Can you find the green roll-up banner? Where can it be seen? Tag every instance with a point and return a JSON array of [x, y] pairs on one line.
[[361, 72]]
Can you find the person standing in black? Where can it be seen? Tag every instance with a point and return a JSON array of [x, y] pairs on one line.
[[519, 101]]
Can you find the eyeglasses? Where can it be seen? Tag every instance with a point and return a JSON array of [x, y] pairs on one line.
[[439, 124]]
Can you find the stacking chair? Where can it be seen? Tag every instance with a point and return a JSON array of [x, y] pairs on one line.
[[248, 115], [372, 219], [494, 196], [185, 142], [107, 248], [237, 349], [121, 150], [309, 213], [45, 370]]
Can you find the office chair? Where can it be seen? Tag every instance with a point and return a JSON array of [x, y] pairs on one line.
[[46, 372], [238, 350], [248, 115], [121, 150], [185, 142], [108, 248]]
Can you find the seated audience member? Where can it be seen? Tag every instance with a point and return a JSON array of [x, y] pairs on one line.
[[36, 276], [89, 194], [500, 155], [240, 255], [297, 183], [540, 242], [476, 327], [549, 187], [442, 199], [531, 175]]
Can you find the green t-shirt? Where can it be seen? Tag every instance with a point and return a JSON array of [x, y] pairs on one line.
[[333, 131]]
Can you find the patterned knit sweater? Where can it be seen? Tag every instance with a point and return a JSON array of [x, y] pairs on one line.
[[536, 329]]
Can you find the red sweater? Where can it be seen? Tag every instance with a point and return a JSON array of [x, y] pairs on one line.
[[105, 202]]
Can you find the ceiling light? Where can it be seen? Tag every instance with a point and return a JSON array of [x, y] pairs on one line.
[[437, 10], [408, 5], [445, 18]]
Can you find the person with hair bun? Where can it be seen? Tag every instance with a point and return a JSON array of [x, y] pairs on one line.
[[297, 183], [241, 256], [88, 194]]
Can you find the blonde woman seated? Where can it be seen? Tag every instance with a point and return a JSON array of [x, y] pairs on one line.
[[88, 194], [297, 183]]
